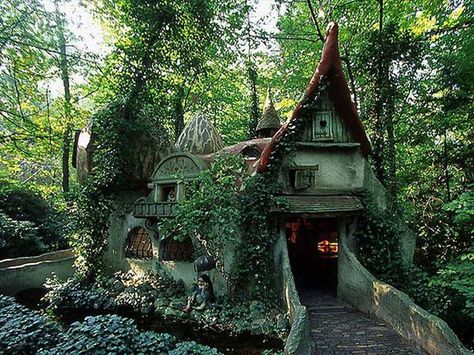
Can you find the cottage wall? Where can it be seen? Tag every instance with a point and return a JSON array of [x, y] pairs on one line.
[[122, 222], [328, 168]]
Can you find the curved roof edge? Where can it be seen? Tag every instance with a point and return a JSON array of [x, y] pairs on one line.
[[330, 67]]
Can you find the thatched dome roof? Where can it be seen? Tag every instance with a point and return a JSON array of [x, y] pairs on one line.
[[199, 137]]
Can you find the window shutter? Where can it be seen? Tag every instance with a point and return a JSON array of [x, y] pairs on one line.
[[304, 179]]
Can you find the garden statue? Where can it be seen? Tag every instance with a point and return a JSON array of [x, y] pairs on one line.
[[203, 297]]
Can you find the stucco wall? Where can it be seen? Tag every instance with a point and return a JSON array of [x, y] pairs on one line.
[[378, 195], [373, 186], [121, 223], [298, 342], [364, 292], [338, 168], [22, 273]]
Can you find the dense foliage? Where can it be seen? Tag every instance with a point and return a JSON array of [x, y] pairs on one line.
[[23, 331], [162, 299], [448, 294], [28, 224], [225, 208]]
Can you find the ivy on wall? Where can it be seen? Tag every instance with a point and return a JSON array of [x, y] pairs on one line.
[[378, 245], [226, 208], [209, 213], [118, 128]]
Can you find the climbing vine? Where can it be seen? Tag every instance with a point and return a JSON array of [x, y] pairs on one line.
[[209, 213], [226, 208], [255, 251], [115, 130], [378, 244]]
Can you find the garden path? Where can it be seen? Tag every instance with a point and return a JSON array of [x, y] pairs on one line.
[[337, 328]]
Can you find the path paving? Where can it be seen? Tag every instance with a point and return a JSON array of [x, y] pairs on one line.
[[336, 328]]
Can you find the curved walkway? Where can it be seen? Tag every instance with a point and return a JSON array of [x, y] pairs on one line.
[[336, 328]]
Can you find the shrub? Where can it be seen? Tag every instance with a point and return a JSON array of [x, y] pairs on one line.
[[28, 224], [191, 347], [137, 292], [117, 335], [23, 331], [18, 238]]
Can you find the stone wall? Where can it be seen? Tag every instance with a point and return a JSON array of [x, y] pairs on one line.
[[298, 342], [31, 272], [363, 291]]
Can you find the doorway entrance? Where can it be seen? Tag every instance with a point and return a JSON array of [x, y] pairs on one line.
[[313, 248]]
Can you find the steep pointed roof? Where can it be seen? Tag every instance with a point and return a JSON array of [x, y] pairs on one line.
[[269, 117], [199, 137], [329, 67]]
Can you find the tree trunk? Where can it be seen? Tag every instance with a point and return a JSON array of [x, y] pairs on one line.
[[379, 127], [179, 112], [254, 100], [64, 66], [446, 166]]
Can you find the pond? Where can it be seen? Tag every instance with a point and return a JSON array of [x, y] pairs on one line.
[[183, 330]]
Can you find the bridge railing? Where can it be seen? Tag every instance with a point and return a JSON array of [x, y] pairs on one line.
[[298, 341], [359, 288], [31, 272]]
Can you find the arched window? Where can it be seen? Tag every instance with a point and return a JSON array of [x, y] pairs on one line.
[[138, 244], [175, 250]]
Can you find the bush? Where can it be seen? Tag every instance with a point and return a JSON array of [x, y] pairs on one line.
[[137, 292], [112, 334], [28, 224], [18, 238], [23, 331], [191, 347], [106, 334]]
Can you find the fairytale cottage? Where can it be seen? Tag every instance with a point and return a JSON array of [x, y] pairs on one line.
[[323, 179], [319, 158]]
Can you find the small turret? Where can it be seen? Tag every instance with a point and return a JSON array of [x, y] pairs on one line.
[[269, 123]]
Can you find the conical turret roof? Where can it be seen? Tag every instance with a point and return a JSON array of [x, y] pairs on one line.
[[199, 137], [269, 117]]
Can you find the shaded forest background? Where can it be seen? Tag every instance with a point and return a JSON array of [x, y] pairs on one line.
[[409, 65]]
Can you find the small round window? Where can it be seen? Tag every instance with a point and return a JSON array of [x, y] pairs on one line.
[[138, 244]]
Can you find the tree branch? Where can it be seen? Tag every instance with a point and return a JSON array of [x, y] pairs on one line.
[[315, 20], [459, 26], [346, 60], [286, 38]]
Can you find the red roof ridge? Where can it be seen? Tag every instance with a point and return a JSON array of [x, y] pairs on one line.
[[330, 67]]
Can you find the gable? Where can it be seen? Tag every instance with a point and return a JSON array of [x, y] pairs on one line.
[[323, 124], [329, 70]]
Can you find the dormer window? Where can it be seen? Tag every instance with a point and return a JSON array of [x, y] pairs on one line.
[[322, 126]]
